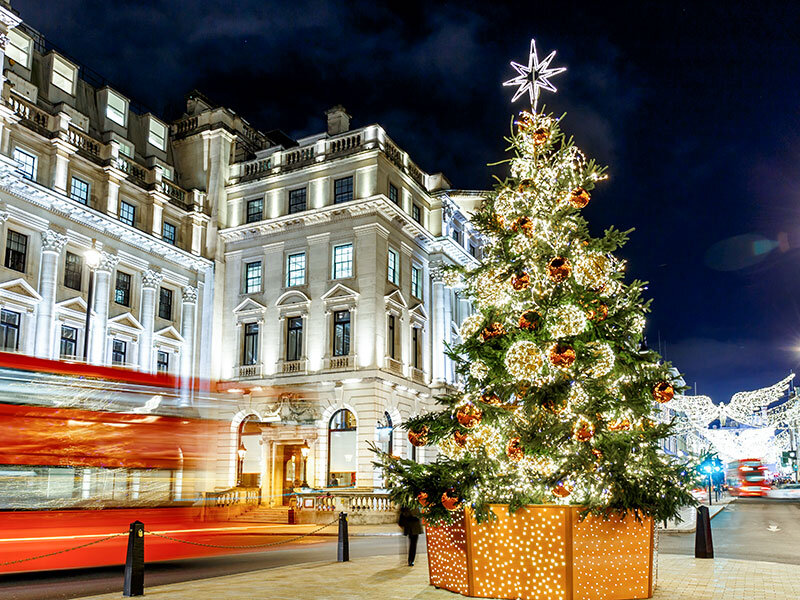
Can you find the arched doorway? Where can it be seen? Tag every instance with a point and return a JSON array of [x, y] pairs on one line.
[[248, 453], [342, 449]]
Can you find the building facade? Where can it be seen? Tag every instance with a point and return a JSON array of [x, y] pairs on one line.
[[306, 275]]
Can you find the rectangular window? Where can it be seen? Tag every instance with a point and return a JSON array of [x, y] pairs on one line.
[[296, 269], [169, 233], [116, 108], [255, 210], [456, 235], [252, 282], [393, 273], [473, 250], [125, 149], [416, 282], [250, 345], [343, 261], [416, 213], [127, 213], [343, 190], [158, 134], [26, 163], [393, 195], [9, 330], [165, 304], [73, 269], [341, 333], [69, 342], [119, 352], [63, 74], [162, 362], [297, 200], [294, 338], [122, 289], [390, 342], [79, 190], [16, 251], [18, 48], [415, 347]]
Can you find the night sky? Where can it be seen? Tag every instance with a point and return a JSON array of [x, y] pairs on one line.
[[695, 110]]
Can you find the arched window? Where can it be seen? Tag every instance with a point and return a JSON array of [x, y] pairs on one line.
[[342, 443], [385, 434]]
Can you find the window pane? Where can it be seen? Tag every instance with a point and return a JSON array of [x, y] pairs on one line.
[[26, 163], [158, 135], [19, 48], [296, 270], [79, 190], [294, 338], [63, 74], [9, 329], [168, 233], [253, 278], [165, 304], [127, 213], [342, 449], [116, 108], [393, 195], [73, 269], [416, 284], [125, 149], [416, 213], [343, 190], [119, 352], [16, 251], [393, 266], [250, 346], [69, 342], [343, 261], [297, 200], [255, 210], [122, 290], [162, 362], [341, 333]]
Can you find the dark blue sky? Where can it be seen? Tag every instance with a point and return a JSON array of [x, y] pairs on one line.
[[694, 108]]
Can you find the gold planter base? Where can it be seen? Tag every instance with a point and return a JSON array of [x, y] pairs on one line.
[[543, 552]]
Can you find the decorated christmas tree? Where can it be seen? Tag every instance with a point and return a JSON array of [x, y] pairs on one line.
[[557, 387]]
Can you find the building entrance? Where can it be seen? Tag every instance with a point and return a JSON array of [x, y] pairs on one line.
[[291, 472]]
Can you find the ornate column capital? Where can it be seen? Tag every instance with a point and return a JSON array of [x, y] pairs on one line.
[[190, 294], [107, 262], [151, 279], [52, 241]]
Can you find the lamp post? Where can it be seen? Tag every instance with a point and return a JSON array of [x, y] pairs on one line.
[[240, 452], [304, 450], [92, 258], [707, 469]]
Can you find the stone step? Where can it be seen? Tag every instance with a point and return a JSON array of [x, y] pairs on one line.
[[281, 514]]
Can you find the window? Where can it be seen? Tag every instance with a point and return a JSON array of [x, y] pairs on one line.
[[415, 347], [416, 213], [125, 149], [79, 190], [63, 74], [18, 48], [73, 269], [162, 362], [343, 261], [416, 282], [69, 342], [252, 281], [343, 190], [9, 329], [473, 250], [119, 352], [127, 213], [342, 441], [16, 251], [250, 346], [456, 235], [169, 233], [122, 289], [255, 210], [165, 304], [390, 341], [296, 269], [116, 108], [158, 134], [393, 273], [393, 195], [294, 338], [166, 173], [26, 163], [341, 333], [297, 200]]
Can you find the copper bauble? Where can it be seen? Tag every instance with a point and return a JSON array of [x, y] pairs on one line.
[[529, 320], [523, 224], [619, 425], [492, 399], [562, 490], [540, 135], [492, 331], [450, 501], [584, 432], [559, 268], [514, 449], [520, 282], [598, 313], [598, 454], [525, 121], [419, 437], [562, 356], [578, 197], [460, 438], [422, 498], [663, 392], [469, 415]]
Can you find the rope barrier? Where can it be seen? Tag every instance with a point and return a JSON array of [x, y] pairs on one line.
[[92, 543]]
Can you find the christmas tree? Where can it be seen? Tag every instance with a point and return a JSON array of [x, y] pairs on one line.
[[557, 386]]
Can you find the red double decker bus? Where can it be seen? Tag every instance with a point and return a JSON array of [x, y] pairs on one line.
[[746, 478]]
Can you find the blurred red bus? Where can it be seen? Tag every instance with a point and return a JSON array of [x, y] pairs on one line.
[[746, 477]]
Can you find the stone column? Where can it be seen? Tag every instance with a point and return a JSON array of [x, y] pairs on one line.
[[62, 150], [113, 181], [52, 245], [188, 310], [151, 280], [99, 321], [438, 326]]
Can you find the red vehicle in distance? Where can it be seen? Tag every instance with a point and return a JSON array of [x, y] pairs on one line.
[[746, 478]]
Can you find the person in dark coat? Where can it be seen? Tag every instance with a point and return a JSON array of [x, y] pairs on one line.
[[412, 527]]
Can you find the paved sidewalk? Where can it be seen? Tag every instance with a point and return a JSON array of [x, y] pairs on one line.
[[688, 523], [387, 578]]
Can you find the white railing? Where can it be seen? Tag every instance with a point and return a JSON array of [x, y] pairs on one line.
[[246, 371], [83, 142], [293, 366], [344, 144], [418, 375], [394, 366], [350, 501], [340, 362]]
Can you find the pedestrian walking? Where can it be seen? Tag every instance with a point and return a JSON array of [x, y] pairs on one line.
[[412, 527]]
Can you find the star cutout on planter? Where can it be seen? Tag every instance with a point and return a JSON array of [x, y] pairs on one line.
[[535, 76]]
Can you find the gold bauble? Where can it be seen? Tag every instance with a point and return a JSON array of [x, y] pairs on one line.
[[460, 438], [418, 438], [492, 331], [520, 282], [514, 449], [583, 431], [450, 501], [559, 268], [562, 356], [619, 425], [598, 313], [663, 392], [523, 224], [578, 197], [591, 270], [523, 360], [529, 320], [540, 135], [491, 399], [469, 415]]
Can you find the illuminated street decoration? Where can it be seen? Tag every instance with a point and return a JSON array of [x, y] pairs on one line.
[[534, 77]]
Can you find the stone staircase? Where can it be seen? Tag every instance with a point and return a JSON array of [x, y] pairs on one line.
[[283, 515]]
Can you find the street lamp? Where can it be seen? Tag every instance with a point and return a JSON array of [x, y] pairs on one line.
[[304, 450], [707, 469], [92, 258], [240, 452]]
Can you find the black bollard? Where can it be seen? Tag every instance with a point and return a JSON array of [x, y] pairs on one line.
[[343, 550], [134, 561], [703, 545]]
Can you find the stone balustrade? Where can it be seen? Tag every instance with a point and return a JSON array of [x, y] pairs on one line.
[[248, 371], [361, 506], [394, 366]]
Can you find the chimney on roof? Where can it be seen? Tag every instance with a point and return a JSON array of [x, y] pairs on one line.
[[338, 120]]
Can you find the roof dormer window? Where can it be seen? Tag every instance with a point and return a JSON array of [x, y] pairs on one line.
[[116, 108], [63, 75], [19, 48], [158, 134]]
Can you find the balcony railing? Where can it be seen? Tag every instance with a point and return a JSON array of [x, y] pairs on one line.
[[84, 143], [34, 115], [344, 145], [394, 366], [418, 375], [291, 367], [175, 192], [299, 158], [350, 501], [248, 371], [340, 362]]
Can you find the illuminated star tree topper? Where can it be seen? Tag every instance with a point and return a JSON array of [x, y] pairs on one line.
[[534, 77]]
